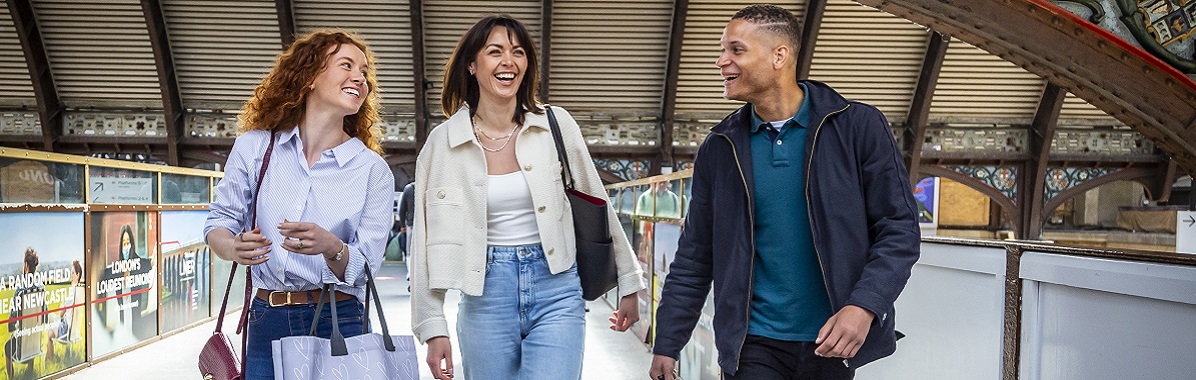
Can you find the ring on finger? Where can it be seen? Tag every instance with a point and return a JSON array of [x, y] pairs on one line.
[[301, 244]]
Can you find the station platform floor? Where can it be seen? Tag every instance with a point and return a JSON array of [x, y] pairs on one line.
[[608, 355]]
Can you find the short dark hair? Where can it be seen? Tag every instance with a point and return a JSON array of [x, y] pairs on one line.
[[775, 20], [461, 88]]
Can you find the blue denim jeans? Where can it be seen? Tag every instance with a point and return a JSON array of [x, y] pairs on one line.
[[267, 324], [527, 324]]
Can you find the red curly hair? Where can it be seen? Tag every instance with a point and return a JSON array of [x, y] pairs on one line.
[[278, 102]]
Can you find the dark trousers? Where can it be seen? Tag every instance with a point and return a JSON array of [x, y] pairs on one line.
[[769, 359]]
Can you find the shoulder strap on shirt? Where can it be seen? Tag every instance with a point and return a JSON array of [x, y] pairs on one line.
[[566, 175]]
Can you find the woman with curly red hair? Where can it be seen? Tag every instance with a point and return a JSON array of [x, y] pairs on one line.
[[323, 209]]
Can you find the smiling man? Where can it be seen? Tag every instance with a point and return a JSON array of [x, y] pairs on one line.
[[802, 218]]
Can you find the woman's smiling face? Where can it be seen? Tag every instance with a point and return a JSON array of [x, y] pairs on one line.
[[500, 65]]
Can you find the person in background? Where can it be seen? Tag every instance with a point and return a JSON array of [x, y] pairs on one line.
[[325, 204], [492, 220], [802, 218]]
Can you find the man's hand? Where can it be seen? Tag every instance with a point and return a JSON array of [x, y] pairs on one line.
[[663, 368], [440, 350], [844, 333], [628, 313]]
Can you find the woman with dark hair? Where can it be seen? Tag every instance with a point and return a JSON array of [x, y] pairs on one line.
[[324, 206], [128, 246], [492, 220]]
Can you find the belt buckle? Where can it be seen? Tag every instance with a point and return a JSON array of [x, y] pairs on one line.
[[273, 304]]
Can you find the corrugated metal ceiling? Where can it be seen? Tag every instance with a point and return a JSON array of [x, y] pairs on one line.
[[607, 57]]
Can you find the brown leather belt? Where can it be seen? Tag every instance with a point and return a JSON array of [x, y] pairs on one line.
[[304, 297]]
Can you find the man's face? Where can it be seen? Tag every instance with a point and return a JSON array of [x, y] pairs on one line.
[[745, 62]]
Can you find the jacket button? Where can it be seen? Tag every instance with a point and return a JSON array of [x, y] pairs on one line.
[[551, 251], [527, 167], [440, 194], [541, 209]]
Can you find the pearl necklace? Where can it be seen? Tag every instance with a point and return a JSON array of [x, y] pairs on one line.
[[479, 134]]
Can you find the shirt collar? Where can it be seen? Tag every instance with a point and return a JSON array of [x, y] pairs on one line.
[[801, 119], [343, 152]]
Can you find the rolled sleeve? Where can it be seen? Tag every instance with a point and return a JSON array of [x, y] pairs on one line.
[[229, 208]]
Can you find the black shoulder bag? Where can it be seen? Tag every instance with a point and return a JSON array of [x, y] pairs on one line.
[[595, 260]]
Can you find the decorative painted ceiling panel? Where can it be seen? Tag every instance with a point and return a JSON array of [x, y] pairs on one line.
[[100, 53], [15, 88], [387, 29], [869, 56], [610, 64], [205, 43]]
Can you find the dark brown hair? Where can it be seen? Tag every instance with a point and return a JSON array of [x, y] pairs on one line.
[[30, 260], [461, 88], [279, 100]]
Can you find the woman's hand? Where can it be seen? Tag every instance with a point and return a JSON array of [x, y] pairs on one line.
[[250, 248], [628, 313], [440, 350], [308, 238]]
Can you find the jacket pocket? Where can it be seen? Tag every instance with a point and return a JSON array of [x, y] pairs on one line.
[[444, 264], [445, 214]]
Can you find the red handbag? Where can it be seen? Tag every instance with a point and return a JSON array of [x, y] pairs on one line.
[[217, 359]]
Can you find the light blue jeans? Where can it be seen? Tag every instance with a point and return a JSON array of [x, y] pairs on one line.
[[527, 324]]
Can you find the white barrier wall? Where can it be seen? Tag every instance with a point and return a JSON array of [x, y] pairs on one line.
[[1092, 319], [952, 315]]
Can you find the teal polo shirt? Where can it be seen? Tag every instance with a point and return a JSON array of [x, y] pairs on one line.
[[789, 296]]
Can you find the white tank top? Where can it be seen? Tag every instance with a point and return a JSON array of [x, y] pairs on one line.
[[510, 213]]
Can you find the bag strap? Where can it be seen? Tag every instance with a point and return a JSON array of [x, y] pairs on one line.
[[566, 175], [232, 273], [372, 287], [261, 175], [339, 348]]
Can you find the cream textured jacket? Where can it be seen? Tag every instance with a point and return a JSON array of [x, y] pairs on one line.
[[448, 248]]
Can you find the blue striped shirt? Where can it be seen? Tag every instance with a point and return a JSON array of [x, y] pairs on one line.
[[348, 192]]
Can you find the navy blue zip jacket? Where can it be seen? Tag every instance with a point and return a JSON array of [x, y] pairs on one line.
[[861, 214]]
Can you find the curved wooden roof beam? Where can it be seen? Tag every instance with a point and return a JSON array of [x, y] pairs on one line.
[[172, 97], [49, 106], [1138, 89]]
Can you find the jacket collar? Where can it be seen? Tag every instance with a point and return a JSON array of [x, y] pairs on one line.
[[460, 130], [343, 152], [823, 100]]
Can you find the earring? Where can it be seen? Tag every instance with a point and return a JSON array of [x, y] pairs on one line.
[[470, 71], [312, 87]]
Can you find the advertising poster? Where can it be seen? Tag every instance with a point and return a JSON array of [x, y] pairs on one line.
[[926, 195], [220, 271], [124, 310], [665, 248], [185, 269], [41, 293]]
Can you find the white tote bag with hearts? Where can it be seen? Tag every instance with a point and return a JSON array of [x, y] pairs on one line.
[[367, 356]]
